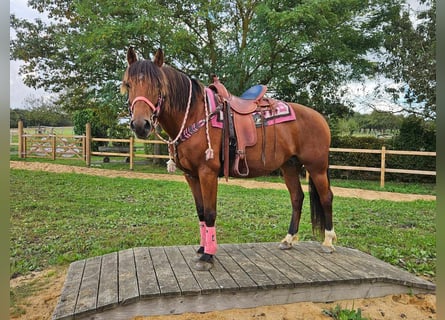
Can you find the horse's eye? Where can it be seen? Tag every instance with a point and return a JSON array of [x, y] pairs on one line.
[[127, 85]]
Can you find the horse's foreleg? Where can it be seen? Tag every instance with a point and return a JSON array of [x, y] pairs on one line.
[[291, 177], [197, 195], [208, 184]]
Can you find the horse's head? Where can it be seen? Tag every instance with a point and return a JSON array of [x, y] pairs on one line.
[[142, 83]]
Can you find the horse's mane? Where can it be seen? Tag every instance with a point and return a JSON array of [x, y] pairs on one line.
[[170, 82]]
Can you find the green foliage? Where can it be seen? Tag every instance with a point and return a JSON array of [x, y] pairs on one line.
[[412, 59], [304, 50], [374, 160], [98, 128], [338, 313], [82, 117], [416, 134], [39, 113]]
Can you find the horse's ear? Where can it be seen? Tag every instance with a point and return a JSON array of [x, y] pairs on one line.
[[159, 58], [131, 56]]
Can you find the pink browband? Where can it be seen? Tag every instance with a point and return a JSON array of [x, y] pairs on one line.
[[150, 104]]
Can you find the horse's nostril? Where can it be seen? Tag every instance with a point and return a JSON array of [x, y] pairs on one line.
[[132, 125], [147, 125]]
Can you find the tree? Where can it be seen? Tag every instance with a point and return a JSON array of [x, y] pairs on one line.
[[416, 134], [303, 50], [40, 112], [411, 60]]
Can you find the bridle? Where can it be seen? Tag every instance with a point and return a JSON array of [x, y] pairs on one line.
[[154, 123], [154, 108], [157, 108]]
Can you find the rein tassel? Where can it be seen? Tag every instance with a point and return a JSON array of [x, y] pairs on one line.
[[171, 166], [209, 154]]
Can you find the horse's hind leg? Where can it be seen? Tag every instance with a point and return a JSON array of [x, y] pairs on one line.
[[291, 171], [321, 207]]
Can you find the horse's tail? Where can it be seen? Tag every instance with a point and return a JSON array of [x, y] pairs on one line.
[[317, 213]]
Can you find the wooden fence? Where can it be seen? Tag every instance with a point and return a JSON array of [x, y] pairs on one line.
[[53, 146]]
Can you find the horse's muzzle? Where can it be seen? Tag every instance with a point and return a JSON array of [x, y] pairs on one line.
[[142, 128]]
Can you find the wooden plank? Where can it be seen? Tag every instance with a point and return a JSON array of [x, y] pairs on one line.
[[108, 284], [314, 260], [311, 260], [424, 172], [242, 279], [222, 275], [293, 258], [389, 272], [268, 253], [412, 153], [355, 150], [186, 280], [243, 275], [87, 299], [256, 274], [277, 277], [168, 285], [342, 264], [128, 283], [205, 279], [148, 284], [248, 299], [68, 298]]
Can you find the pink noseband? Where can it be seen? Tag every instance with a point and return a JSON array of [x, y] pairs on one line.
[[150, 104]]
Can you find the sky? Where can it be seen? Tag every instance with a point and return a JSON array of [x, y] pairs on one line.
[[19, 92]]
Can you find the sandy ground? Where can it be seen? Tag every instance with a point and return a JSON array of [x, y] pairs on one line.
[[247, 183], [50, 282], [41, 305]]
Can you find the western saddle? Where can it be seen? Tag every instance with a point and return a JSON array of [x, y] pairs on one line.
[[239, 126]]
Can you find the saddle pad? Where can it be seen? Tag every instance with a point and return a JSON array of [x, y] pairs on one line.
[[283, 113]]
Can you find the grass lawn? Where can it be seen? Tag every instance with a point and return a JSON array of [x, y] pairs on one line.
[[59, 218]]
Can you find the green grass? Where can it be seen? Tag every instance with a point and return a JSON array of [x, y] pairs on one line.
[[338, 313], [59, 218]]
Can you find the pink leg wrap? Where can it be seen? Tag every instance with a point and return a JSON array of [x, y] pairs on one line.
[[202, 231], [211, 245]]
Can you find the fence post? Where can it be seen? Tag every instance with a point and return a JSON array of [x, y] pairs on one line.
[[20, 136], [131, 152], [382, 167], [53, 146], [88, 144]]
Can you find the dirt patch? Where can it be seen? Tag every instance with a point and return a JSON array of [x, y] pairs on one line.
[[246, 183], [47, 285], [389, 307], [36, 295]]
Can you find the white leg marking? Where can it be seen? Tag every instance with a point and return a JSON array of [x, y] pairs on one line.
[[289, 241], [329, 237]]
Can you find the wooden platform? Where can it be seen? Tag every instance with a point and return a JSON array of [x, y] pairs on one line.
[[161, 280]]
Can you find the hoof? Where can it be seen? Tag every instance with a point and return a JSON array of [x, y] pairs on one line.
[[288, 242], [196, 258], [285, 245], [203, 266], [328, 249], [199, 254], [204, 263]]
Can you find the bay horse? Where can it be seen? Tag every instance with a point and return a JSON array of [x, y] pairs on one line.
[[159, 94]]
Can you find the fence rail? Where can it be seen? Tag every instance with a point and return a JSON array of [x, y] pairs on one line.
[[51, 146]]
